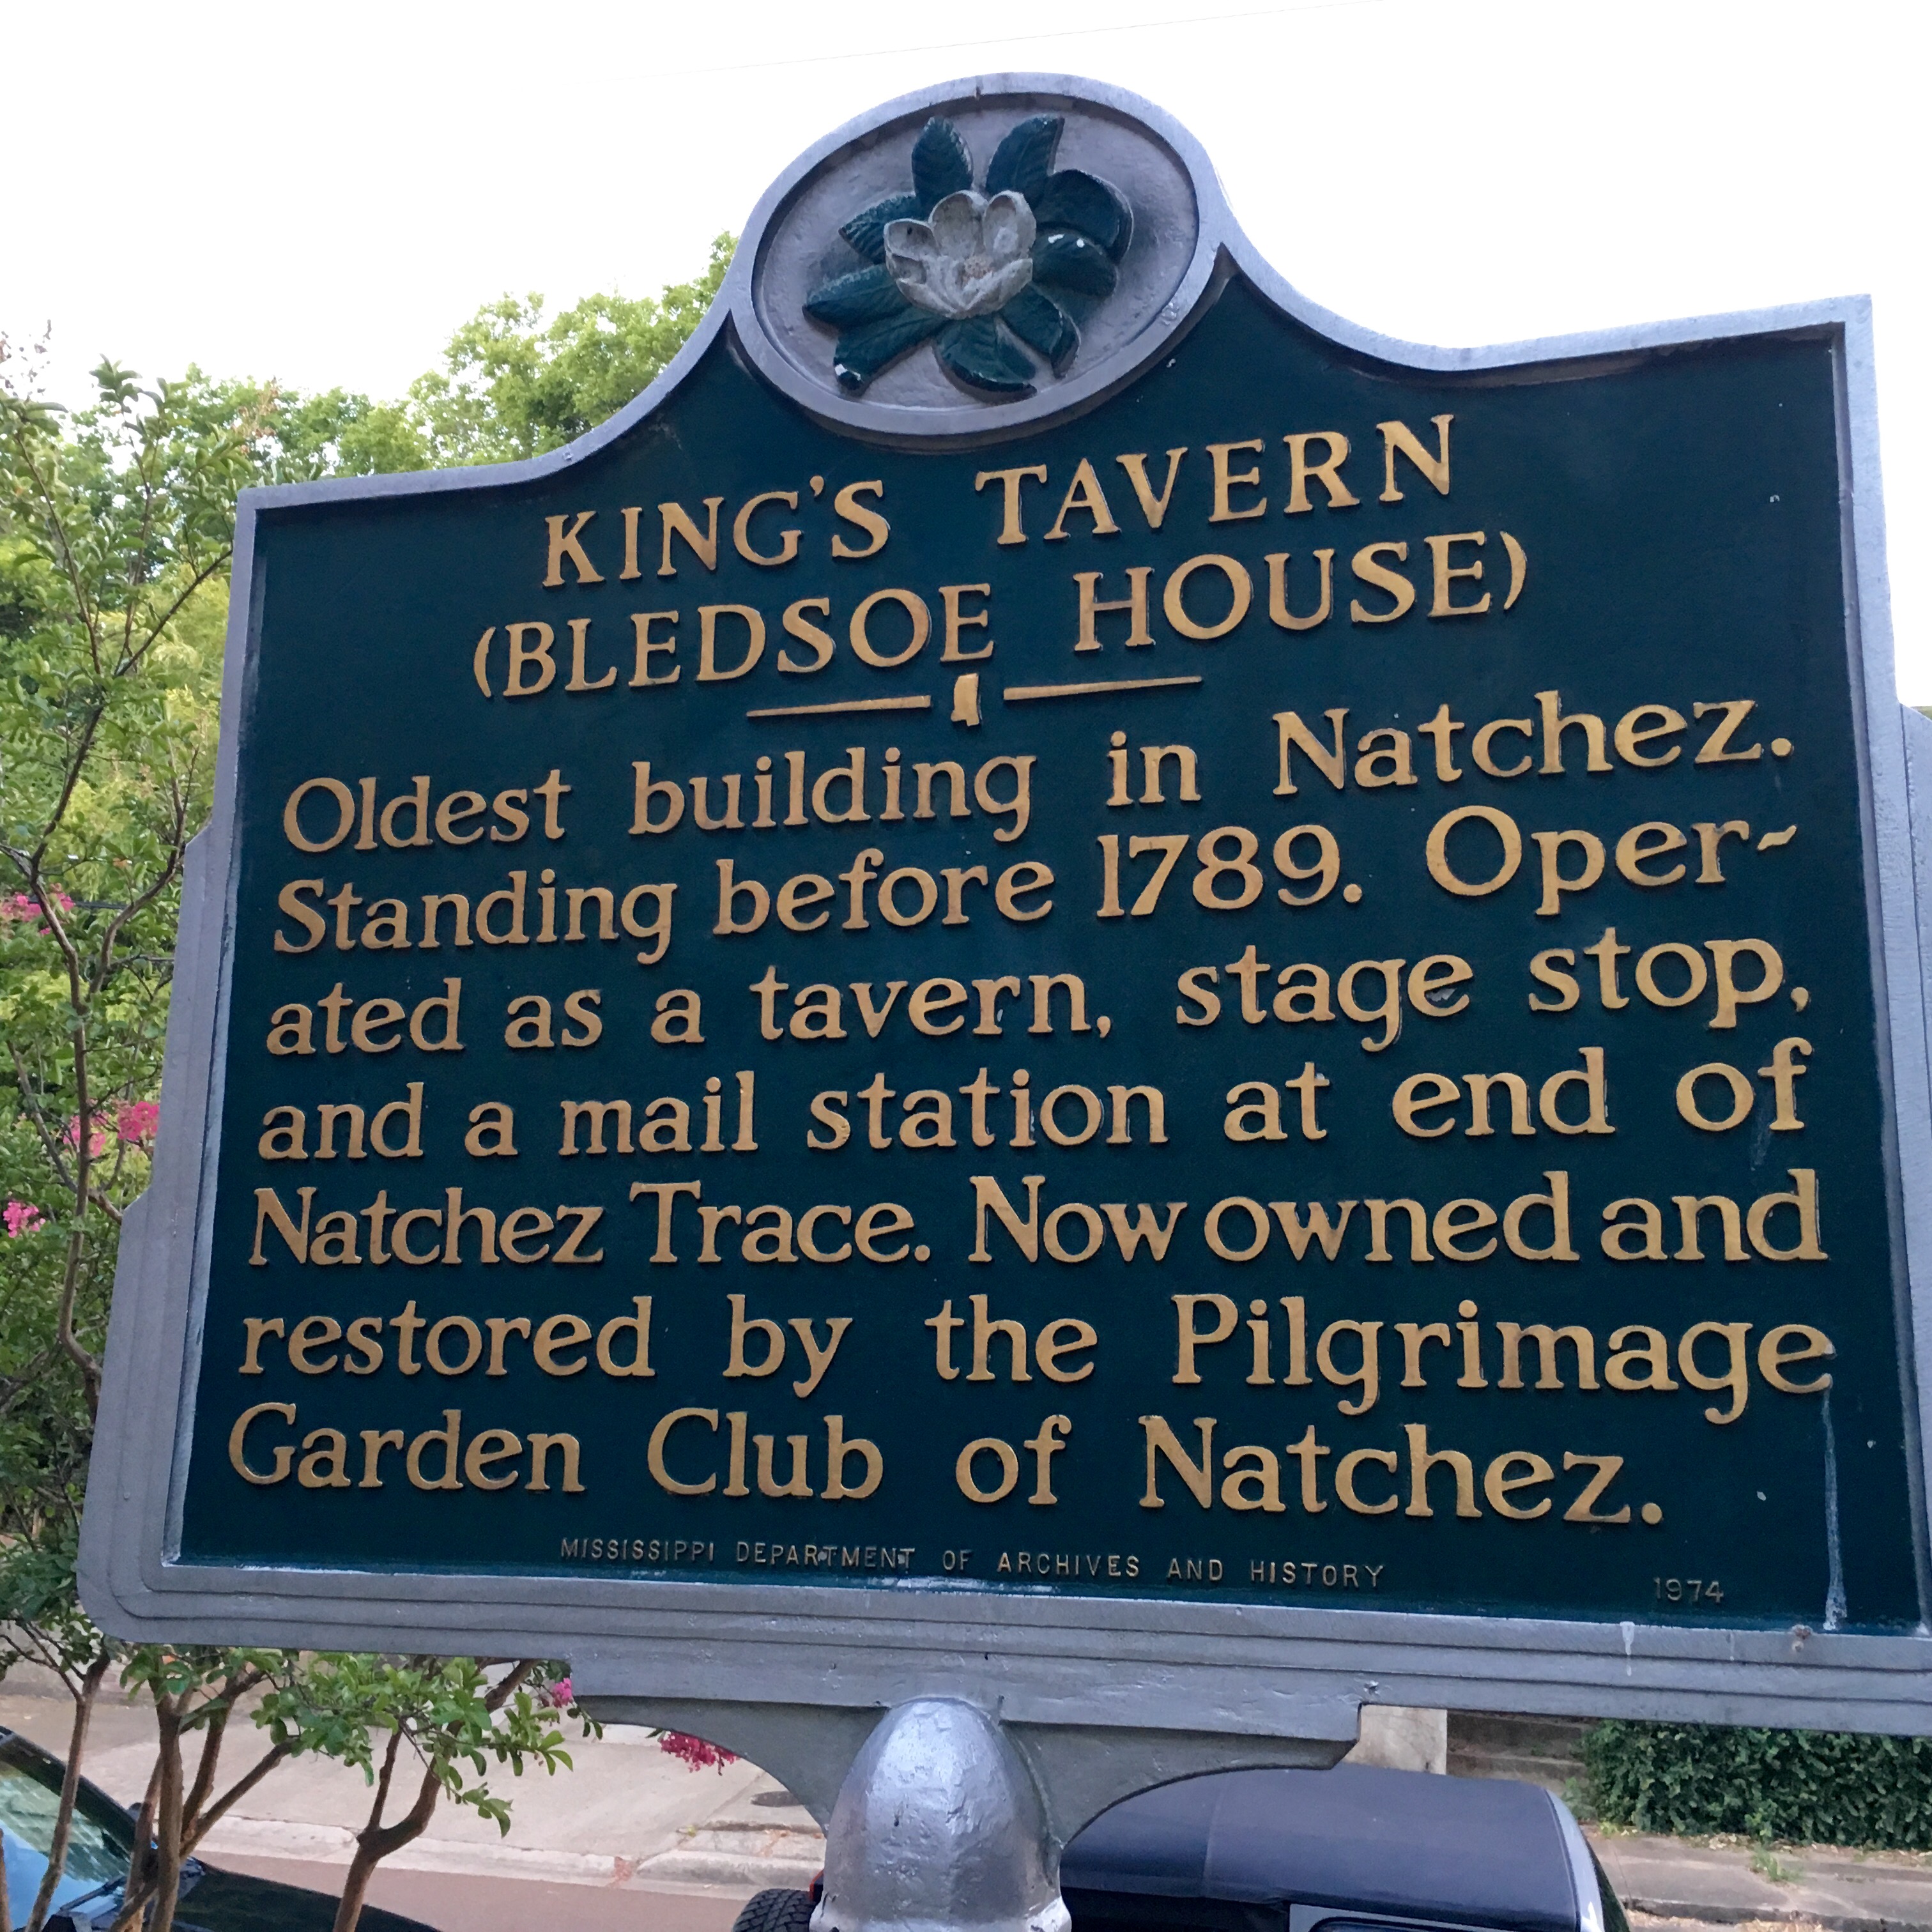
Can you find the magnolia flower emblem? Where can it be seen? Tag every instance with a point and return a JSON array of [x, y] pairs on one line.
[[985, 274], [972, 258]]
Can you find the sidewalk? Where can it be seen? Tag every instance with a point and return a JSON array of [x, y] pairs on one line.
[[1844, 1891], [631, 1837]]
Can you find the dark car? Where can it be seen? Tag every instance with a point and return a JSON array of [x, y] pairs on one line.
[[1347, 1850], [1353, 1849], [97, 1858]]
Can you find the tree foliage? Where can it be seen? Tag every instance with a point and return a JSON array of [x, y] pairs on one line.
[[116, 530], [513, 381], [443, 1720], [514, 385]]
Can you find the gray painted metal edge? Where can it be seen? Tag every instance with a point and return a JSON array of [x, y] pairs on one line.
[[1239, 1667]]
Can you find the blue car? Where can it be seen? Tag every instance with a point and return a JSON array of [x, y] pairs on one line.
[[101, 1848]]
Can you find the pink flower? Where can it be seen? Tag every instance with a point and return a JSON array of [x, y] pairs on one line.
[[97, 1138], [694, 1753], [556, 1696], [138, 1120], [21, 1218], [21, 907]]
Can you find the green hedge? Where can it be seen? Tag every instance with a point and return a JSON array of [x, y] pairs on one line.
[[1804, 1787]]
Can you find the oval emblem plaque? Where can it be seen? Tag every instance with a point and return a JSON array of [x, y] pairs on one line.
[[973, 259]]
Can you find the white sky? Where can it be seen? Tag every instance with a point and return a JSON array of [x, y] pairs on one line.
[[321, 194]]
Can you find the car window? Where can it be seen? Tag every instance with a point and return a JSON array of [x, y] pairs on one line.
[[28, 1805], [113, 1822]]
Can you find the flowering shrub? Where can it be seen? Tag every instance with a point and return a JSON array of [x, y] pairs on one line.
[[134, 1124], [693, 1752], [21, 1217], [20, 906], [115, 535]]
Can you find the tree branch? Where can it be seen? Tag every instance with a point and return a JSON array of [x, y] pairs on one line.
[[83, 1710], [276, 1754]]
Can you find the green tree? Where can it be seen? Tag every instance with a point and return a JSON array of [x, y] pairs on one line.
[[195, 1694], [290, 438], [512, 385], [445, 1721], [117, 539], [116, 530], [442, 1715]]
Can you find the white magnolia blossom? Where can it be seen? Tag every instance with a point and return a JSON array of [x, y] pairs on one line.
[[971, 258]]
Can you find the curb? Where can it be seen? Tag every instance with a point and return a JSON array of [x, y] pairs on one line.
[[696, 1866], [1706, 1912]]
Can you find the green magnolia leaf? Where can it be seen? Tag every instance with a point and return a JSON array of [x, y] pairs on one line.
[[862, 353], [1039, 321], [981, 357], [1025, 159], [1069, 261], [1073, 199], [941, 163], [866, 230], [867, 295]]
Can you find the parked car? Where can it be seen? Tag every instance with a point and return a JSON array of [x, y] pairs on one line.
[[101, 1848], [1260, 1850], [1352, 1850]]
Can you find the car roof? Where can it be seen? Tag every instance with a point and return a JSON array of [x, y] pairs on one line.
[[1480, 1851], [231, 1901]]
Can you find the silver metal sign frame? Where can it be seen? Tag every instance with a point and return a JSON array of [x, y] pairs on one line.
[[803, 1663]]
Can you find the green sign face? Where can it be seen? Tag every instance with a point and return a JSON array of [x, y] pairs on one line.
[[1262, 993]]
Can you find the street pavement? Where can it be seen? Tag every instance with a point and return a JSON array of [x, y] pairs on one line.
[[631, 1840]]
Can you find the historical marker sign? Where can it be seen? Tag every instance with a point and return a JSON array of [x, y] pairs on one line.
[[1058, 959]]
